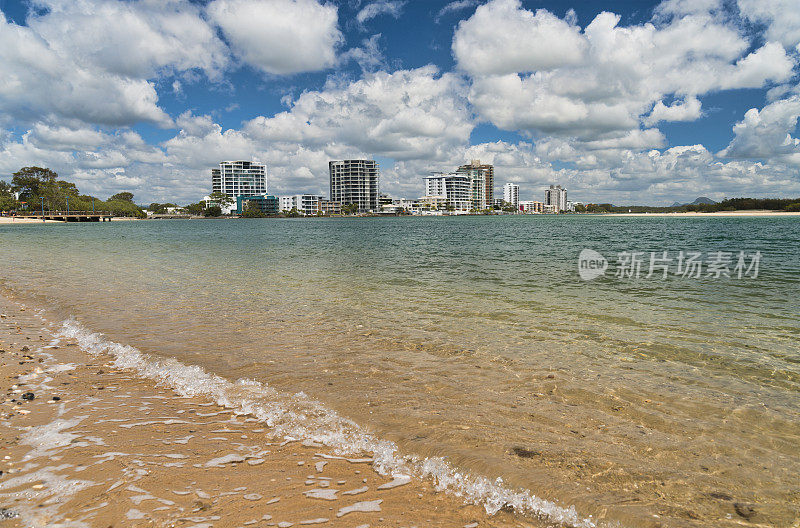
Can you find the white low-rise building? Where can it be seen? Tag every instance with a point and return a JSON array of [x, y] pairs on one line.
[[531, 207], [306, 204]]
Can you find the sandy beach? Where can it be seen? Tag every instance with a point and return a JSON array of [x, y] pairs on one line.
[[19, 220], [4, 220], [87, 443]]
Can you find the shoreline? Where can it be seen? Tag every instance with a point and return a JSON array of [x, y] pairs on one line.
[[705, 215], [10, 220], [99, 445]]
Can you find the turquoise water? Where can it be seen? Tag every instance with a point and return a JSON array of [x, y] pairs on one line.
[[644, 401]]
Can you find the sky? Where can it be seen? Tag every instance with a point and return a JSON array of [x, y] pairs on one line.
[[628, 102]]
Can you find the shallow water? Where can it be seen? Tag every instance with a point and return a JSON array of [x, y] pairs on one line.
[[645, 402]]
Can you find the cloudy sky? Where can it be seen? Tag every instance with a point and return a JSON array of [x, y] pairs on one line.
[[623, 101]]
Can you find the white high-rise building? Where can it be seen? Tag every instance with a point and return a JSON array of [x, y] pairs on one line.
[[239, 178], [463, 190], [511, 194], [355, 182], [557, 197], [488, 180]]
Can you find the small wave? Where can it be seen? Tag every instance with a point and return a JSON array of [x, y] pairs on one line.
[[299, 417]]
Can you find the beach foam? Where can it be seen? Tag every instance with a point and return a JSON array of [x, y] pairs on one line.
[[295, 416]]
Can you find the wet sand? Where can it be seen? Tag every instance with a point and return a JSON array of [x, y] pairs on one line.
[[84, 443]]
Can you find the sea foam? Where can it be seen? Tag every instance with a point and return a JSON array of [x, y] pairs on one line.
[[299, 417]]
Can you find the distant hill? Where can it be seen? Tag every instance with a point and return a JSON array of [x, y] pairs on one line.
[[698, 201]]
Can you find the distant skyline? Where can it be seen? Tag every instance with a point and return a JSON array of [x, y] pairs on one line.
[[623, 102]]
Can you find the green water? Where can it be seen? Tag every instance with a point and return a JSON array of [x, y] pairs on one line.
[[644, 401]]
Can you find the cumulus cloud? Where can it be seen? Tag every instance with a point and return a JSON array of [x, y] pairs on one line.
[[280, 36], [767, 133], [99, 162], [538, 74], [133, 39], [781, 17], [502, 38], [382, 7], [689, 109], [38, 80], [406, 114]]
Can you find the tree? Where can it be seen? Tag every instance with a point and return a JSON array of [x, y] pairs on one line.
[[196, 208], [31, 182], [7, 200], [350, 209], [251, 209], [221, 199], [122, 197], [159, 208], [214, 210]]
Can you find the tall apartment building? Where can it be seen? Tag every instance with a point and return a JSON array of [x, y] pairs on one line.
[[306, 204], [511, 194], [454, 188], [239, 178], [462, 190], [488, 180], [557, 197], [355, 182]]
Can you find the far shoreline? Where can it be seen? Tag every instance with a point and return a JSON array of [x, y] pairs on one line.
[[695, 214], [10, 220]]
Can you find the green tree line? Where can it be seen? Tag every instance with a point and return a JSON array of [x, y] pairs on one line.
[[39, 186], [730, 204]]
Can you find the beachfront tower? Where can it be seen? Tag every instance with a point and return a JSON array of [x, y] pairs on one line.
[[557, 197], [239, 178], [355, 182], [487, 173], [511, 194]]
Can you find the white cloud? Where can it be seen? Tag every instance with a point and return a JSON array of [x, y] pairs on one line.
[[382, 7], [689, 109], [767, 133], [502, 38], [452, 7], [369, 56], [538, 74], [280, 36], [36, 80], [203, 143], [406, 114], [132, 39], [782, 18], [687, 7]]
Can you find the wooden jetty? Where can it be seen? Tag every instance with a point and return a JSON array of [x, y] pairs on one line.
[[69, 216]]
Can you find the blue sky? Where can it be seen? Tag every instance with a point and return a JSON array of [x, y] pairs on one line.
[[628, 101]]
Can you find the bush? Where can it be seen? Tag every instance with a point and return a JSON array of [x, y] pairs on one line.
[[213, 211]]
